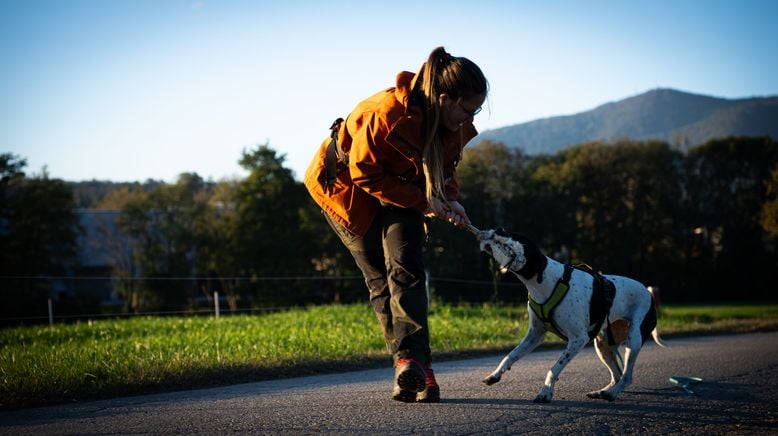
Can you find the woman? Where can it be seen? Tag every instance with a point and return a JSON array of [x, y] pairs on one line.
[[387, 166]]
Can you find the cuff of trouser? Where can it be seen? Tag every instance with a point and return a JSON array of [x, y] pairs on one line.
[[422, 357]]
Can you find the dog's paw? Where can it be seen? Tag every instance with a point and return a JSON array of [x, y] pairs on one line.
[[601, 395], [491, 379], [544, 396], [596, 395], [608, 396]]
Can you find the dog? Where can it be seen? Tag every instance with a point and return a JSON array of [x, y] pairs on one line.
[[627, 314]]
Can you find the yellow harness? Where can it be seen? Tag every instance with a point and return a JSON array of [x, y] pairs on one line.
[[603, 293], [545, 310]]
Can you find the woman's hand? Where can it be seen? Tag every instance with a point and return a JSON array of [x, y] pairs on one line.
[[451, 211], [456, 214], [436, 209]]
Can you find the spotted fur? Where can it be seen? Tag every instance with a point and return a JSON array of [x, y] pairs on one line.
[[632, 315]]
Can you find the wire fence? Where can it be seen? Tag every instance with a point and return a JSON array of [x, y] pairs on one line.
[[215, 302], [192, 278]]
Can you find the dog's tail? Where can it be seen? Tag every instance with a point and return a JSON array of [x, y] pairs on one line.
[[655, 303], [657, 339]]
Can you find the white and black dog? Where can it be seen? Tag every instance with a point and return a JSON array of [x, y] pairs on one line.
[[578, 305]]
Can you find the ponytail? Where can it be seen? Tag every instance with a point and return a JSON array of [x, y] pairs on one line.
[[459, 78]]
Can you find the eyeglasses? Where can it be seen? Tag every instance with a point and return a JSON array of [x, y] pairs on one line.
[[473, 112]]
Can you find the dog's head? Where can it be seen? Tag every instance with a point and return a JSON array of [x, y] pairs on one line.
[[507, 252], [513, 252]]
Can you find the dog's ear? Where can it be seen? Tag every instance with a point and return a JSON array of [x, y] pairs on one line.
[[499, 231], [523, 239], [536, 260]]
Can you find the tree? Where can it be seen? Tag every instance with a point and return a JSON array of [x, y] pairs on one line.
[[164, 226], [728, 186], [122, 249], [549, 203], [613, 205], [491, 175], [628, 194], [216, 259], [491, 178], [38, 237], [769, 215], [269, 238], [341, 280]]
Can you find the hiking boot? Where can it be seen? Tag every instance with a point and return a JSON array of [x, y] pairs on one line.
[[399, 394], [431, 392], [409, 378]]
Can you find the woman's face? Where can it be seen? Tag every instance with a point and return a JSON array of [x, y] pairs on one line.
[[455, 111]]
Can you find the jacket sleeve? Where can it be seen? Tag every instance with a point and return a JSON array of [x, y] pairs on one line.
[[368, 165]]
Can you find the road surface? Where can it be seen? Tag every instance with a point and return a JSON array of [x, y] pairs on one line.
[[738, 395]]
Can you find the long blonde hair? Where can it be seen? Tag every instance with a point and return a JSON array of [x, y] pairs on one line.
[[459, 78]]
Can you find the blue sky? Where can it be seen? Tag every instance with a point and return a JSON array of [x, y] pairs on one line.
[[135, 89]]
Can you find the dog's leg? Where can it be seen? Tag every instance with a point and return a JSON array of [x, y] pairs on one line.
[[634, 343], [574, 346], [608, 358], [532, 339]]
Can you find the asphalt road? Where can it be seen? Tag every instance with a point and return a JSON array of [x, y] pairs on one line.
[[737, 396]]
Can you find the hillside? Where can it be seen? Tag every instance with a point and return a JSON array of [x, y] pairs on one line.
[[679, 118]]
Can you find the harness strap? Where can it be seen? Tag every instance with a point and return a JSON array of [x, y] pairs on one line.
[[603, 294], [333, 154], [545, 310]]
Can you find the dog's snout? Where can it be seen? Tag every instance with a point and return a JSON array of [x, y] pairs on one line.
[[484, 235]]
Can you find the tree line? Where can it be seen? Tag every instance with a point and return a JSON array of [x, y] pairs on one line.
[[700, 226]]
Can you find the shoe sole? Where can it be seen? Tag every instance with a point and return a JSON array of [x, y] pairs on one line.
[[405, 397], [412, 380], [431, 396]]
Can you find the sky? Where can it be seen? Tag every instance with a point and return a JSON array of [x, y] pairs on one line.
[[133, 90]]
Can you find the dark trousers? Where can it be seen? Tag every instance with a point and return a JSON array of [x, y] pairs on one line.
[[390, 258]]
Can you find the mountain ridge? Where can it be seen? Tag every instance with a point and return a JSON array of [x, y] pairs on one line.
[[680, 118]]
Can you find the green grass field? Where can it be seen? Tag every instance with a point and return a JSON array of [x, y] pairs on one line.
[[97, 359]]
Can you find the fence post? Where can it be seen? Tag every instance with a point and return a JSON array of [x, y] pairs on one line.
[[216, 302], [51, 313]]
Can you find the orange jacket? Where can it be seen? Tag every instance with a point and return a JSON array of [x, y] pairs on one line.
[[384, 139]]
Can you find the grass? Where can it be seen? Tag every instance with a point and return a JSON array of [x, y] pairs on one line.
[[97, 359], [708, 319]]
